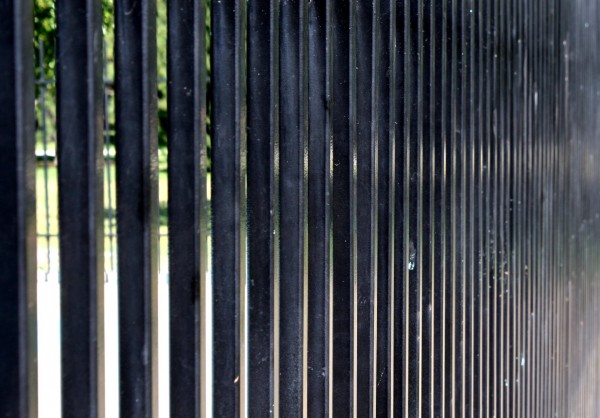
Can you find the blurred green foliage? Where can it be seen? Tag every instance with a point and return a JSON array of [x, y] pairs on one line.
[[44, 41]]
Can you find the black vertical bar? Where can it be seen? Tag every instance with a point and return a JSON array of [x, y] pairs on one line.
[[493, 232], [383, 117], [458, 203], [293, 141], [477, 206], [81, 215], [228, 164], [319, 206], [342, 284], [519, 236], [468, 210], [263, 209], [18, 300], [391, 83], [425, 219], [410, 196], [399, 369], [446, 212], [137, 204], [363, 196], [188, 214], [437, 208]]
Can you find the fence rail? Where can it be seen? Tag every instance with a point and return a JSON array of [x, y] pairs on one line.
[[401, 216]]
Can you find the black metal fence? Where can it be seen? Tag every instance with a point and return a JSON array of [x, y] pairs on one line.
[[401, 216]]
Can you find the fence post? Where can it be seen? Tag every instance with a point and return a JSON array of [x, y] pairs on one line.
[[18, 330], [188, 212], [228, 69], [263, 204], [137, 205], [81, 206]]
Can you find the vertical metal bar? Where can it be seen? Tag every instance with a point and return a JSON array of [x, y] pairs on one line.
[[319, 207], [342, 165], [436, 136], [446, 239], [81, 205], [352, 112], [510, 269], [293, 143], [500, 291], [470, 243], [363, 201], [410, 210], [558, 344], [463, 148], [137, 204], [391, 81], [480, 191], [488, 131], [518, 237], [528, 270], [263, 205], [425, 246], [228, 177], [476, 215], [495, 388], [18, 300], [188, 211], [455, 205], [384, 117], [536, 213], [400, 266]]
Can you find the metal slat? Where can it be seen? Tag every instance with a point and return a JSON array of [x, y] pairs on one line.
[[410, 185], [364, 197], [318, 320], [228, 177], [18, 298], [495, 386], [81, 208], [342, 163], [292, 188], [392, 79], [475, 277], [446, 221], [424, 208], [400, 266], [137, 205], [487, 136], [263, 204], [188, 210], [384, 118], [410, 233], [468, 208], [436, 138]]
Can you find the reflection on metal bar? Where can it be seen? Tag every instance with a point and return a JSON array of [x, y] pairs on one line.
[[188, 215], [81, 214], [18, 297], [403, 213], [137, 205]]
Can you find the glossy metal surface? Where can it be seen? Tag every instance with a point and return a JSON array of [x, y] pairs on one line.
[[81, 210], [188, 208], [18, 297], [137, 205], [403, 209]]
